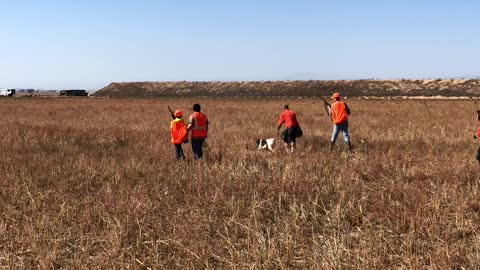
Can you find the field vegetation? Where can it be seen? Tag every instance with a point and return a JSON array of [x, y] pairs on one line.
[[93, 184], [312, 88]]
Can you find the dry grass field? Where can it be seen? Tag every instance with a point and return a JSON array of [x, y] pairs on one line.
[[93, 184]]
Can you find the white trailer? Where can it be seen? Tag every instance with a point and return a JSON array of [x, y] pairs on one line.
[[5, 92]]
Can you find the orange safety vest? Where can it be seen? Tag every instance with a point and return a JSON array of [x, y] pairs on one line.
[[339, 112], [200, 125], [178, 131]]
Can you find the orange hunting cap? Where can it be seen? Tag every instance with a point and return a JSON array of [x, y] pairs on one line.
[[178, 113], [335, 95]]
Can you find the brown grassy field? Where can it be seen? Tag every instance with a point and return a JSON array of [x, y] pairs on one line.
[[93, 184]]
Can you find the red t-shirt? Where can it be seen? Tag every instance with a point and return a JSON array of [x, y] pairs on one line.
[[289, 118]]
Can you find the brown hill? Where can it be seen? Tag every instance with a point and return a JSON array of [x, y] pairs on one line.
[[438, 87]]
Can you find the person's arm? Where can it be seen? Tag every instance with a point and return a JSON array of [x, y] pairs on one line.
[[191, 122], [280, 122], [347, 109]]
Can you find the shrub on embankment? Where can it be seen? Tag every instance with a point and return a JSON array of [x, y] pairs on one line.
[[451, 87]]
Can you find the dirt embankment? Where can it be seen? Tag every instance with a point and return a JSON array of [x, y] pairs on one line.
[[438, 87]]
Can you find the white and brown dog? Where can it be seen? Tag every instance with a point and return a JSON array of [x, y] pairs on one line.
[[267, 144]]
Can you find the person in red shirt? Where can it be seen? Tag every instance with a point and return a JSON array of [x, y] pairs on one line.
[[339, 113], [293, 131], [477, 136]]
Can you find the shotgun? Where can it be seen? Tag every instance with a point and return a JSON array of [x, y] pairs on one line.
[[325, 102], [328, 107], [171, 113]]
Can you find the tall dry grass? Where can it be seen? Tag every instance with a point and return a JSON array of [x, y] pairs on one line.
[[93, 184]]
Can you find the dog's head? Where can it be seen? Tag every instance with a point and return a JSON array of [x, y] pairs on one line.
[[261, 142]]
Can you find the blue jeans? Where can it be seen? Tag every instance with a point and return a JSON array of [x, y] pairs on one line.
[[179, 151], [197, 144], [343, 127]]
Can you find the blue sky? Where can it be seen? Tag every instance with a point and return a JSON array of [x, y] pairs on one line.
[[88, 44]]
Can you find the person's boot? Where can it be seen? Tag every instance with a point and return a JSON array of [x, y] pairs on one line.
[[349, 147], [331, 146]]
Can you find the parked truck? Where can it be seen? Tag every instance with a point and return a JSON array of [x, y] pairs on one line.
[[7, 92]]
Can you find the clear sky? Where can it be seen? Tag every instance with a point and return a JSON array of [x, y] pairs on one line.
[[90, 43]]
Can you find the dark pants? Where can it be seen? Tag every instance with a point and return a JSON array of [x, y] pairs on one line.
[[290, 135], [197, 144], [179, 152]]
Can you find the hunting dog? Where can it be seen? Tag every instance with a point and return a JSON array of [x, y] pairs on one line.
[[267, 144]]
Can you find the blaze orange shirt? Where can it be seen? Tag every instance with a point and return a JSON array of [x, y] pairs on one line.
[[289, 118]]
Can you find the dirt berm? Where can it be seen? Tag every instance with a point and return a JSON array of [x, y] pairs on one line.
[[379, 88]]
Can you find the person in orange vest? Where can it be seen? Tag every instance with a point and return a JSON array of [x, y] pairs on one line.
[[198, 127], [178, 134], [477, 136], [289, 118], [339, 113]]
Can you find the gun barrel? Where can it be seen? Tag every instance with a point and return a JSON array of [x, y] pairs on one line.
[[324, 101], [171, 112]]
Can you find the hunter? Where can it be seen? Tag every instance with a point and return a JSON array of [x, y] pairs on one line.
[[477, 136], [178, 134], [198, 126], [339, 113], [293, 131]]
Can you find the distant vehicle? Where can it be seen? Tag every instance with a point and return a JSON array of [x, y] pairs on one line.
[[77, 93], [4, 92]]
